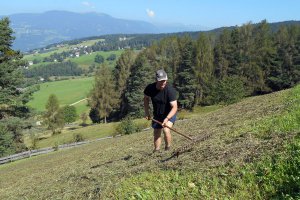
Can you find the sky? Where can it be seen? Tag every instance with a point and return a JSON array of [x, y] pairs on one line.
[[196, 13]]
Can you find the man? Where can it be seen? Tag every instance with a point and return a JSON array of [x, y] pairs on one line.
[[163, 97]]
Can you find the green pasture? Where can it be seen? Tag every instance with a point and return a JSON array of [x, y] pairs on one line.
[[40, 56], [67, 92], [85, 61]]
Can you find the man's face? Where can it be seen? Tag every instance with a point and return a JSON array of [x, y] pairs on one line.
[[161, 84]]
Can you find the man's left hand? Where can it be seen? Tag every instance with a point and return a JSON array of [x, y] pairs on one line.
[[165, 121]]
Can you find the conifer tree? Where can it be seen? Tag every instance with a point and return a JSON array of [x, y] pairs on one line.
[[11, 97], [121, 74], [222, 54], [103, 97], [13, 111], [170, 57], [142, 73], [186, 81], [264, 52], [203, 66]]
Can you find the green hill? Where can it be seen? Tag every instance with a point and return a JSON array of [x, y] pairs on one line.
[[67, 91], [250, 150]]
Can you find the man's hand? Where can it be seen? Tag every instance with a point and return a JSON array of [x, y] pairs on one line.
[[148, 117], [165, 121]]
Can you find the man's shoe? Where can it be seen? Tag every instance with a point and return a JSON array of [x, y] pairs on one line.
[[167, 148], [156, 150]]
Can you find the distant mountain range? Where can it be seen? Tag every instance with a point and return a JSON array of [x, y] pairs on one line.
[[38, 30], [34, 31]]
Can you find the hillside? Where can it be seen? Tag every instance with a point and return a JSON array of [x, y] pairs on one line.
[[237, 136]]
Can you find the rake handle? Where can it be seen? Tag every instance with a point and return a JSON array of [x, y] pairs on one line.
[[172, 129]]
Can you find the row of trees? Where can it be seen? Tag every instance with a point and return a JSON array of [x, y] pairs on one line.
[[243, 61], [54, 69]]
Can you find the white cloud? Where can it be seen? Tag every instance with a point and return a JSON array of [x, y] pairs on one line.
[[87, 4], [150, 13]]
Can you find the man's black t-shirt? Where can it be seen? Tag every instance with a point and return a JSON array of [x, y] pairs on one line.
[[160, 99]]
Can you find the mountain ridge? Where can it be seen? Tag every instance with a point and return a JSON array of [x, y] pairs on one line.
[[37, 30]]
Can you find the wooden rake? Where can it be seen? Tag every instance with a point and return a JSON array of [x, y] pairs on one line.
[[173, 129]]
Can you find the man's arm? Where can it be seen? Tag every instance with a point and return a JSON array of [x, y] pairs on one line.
[[146, 107], [172, 112]]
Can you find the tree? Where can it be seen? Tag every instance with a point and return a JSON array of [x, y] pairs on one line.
[[103, 97], [222, 54], [186, 80], [99, 59], [121, 75], [111, 57], [228, 90], [10, 73], [54, 118], [203, 67], [13, 98], [83, 117], [142, 73], [70, 114], [6, 141]]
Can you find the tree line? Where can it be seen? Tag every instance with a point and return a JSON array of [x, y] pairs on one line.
[[54, 69], [241, 61]]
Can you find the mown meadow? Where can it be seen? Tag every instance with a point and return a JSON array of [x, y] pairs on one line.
[[67, 91], [252, 151]]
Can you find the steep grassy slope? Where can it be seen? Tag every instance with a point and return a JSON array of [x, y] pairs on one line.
[[125, 168]]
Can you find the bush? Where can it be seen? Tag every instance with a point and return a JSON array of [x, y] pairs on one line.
[[228, 90], [78, 137], [6, 142], [126, 127]]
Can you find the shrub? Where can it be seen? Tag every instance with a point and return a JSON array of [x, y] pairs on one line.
[[78, 137], [126, 127], [228, 90]]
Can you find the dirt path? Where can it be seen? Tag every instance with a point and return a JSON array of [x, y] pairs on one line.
[[78, 102]]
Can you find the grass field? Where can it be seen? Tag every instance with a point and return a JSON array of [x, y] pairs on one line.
[[251, 150], [84, 61], [67, 92], [40, 56]]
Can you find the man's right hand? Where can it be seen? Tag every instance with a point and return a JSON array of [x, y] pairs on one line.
[[148, 117]]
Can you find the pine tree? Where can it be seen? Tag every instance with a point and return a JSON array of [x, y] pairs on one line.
[[103, 97], [264, 52], [170, 57], [203, 67], [186, 81], [142, 73], [11, 97], [53, 117], [222, 54], [286, 73], [121, 75], [13, 111]]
